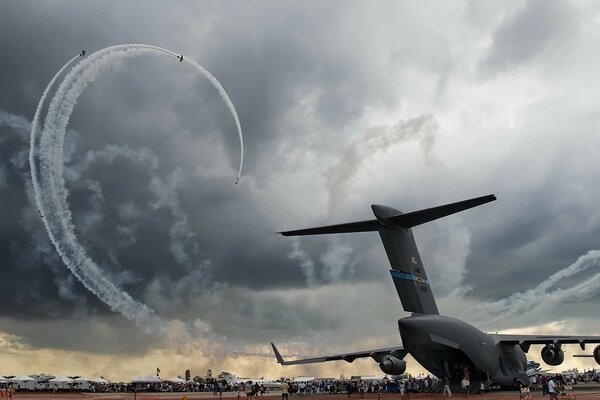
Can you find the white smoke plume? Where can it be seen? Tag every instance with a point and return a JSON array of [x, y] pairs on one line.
[[337, 260], [545, 294], [14, 121], [378, 139], [194, 333], [43, 103], [306, 264], [46, 162], [182, 245]]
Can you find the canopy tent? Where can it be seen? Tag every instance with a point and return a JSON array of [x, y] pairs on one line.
[[3, 379], [61, 382], [82, 379], [100, 380], [176, 380], [146, 379], [21, 378], [24, 382], [61, 379]]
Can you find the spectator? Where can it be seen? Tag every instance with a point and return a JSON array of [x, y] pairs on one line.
[[552, 392], [284, 390]]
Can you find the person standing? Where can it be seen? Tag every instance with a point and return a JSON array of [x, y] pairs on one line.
[[447, 388], [285, 389], [552, 392], [465, 385], [302, 388], [544, 381]]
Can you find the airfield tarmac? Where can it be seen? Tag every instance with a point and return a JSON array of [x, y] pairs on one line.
[[582, 392]]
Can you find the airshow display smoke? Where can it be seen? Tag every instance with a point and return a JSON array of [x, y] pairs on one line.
[[545, 294], [46, 163]]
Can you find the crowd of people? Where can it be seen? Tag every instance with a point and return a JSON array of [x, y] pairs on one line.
[[549, 384], [554, 385]]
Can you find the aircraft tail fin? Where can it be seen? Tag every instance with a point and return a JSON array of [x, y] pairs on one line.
[[394, 228]]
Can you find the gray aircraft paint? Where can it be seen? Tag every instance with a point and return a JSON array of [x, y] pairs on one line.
[[443, 345]]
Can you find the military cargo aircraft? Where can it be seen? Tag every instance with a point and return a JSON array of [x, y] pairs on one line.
[[445, 346]]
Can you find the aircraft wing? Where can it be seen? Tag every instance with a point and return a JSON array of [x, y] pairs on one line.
[[377, 355], [525, 341]]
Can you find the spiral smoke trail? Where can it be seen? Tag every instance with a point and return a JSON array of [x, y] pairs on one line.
[[46, 163], [33, 151]]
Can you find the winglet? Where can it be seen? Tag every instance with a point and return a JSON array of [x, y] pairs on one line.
[[280, 359]]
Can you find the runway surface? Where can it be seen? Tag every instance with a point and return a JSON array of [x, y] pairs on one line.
[[582, 392]]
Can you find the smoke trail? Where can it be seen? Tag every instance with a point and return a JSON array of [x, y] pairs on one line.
[[14, 121], [378, 139], [307, 265], [36, 120], [49, 185], [166, 191], [543, 295]]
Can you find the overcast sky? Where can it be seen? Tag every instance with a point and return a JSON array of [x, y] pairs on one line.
[[342, 104]]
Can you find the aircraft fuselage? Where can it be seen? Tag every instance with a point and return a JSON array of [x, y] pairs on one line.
[[447, 347]]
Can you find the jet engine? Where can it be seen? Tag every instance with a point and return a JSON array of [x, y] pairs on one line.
[[392, 365], [597, 354], [553, 355]]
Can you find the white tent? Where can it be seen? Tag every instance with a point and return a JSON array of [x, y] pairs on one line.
[[303, 379], [23, 382], [61, 382], [176, 380], [22, 378], [146, 379], [100, 380]]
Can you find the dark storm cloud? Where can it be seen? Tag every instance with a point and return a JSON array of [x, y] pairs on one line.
[[132, 248], [171, 229], [87, 335]]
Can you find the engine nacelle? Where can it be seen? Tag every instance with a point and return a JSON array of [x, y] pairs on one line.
[[553, 354], [597, 354], [392, 365]]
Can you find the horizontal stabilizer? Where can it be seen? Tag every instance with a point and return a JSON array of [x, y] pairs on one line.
[[361, 226], [395, 218], [429, 214]]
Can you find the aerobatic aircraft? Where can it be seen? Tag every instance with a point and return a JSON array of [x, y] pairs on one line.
[[82, 54], [180, 58], [445, 346]]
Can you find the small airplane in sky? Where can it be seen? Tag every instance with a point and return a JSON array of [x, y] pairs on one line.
[[447, 347], [180, 58], [82, 54]]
